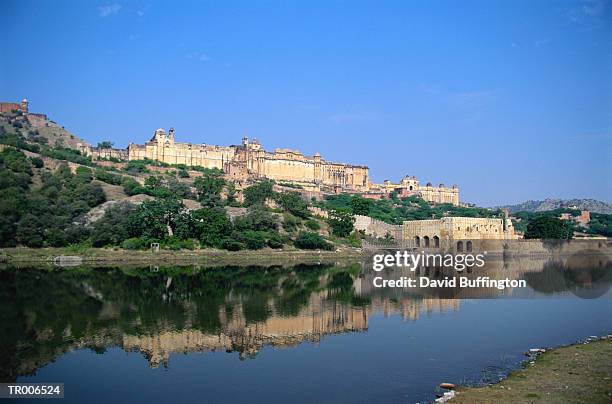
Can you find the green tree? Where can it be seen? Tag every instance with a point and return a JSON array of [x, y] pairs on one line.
[[108, 177], [254, 240], [230, 190], [293, 203], [312, 224], [548, 227], [136, 167], [84, 174], [274, 240], [15, 161], [258, 193], [154, 182], [256, 219], [341, 222], [113, 228], [157, 219], [290, 222], [105, 144], [37, 162], [29, 231], [361, 206], [311, 241], [131, 186], [211, 226], [209, 187]]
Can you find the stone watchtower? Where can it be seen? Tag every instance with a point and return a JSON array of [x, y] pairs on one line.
[[170, 139], [317, 167]]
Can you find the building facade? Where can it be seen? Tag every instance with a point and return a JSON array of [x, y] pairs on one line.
[[447, 232], [249, 159], [409, 185], [7, 107]]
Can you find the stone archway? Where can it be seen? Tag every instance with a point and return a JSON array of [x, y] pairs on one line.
[[436, 242], [459, 246], [426, 241], [417, 241]]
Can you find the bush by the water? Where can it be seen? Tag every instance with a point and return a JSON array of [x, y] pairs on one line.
[[311, 241]]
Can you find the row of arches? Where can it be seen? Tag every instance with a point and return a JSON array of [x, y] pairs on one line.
[[468, 246], [427, 242], [434, 242]]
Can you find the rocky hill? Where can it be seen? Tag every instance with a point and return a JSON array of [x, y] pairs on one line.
[[591, 205], [38, 128]]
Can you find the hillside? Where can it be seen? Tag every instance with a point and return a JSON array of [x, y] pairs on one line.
[[38, 128], [591, 205]]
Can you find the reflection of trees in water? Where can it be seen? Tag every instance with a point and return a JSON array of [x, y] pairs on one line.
[[48, 312], [158, 311], [572, 276]]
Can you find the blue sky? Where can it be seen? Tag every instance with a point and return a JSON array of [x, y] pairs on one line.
[[512, 100]]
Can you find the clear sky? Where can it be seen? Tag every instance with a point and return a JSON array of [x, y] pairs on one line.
[[512, 100]]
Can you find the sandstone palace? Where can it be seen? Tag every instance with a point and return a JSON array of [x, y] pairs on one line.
[[250, 160]]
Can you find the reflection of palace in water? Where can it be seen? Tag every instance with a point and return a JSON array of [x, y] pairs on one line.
[[310, 325], [561, 259], [317, 319], [233, 310], [176, 324]]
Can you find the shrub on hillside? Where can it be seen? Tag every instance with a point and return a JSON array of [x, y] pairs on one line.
[[312, 224], [311, 241], [105, 176]]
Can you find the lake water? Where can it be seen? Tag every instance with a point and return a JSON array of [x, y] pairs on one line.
[[278, 334]]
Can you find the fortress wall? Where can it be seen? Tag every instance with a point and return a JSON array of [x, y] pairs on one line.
[[440, 194], [409, 186], [318, 212], [282, 169], [251, 159], [52, 164], [306, 194], [475, 228], [377, 228], [9, 106], [97, 153], [37, 120], [184, 153], [457, 228]]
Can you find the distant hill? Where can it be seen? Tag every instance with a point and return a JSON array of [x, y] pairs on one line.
[[591, 205]]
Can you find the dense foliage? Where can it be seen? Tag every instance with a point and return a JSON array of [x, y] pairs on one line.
[[396, 211], [258, 193], [600, 224], [548, 227], [44, 214], [312, 241], [341, 222]]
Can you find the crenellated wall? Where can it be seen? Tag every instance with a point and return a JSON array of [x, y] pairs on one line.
[[377, 228]]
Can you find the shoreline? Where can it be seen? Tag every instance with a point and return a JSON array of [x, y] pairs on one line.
[[579, 372], [23, 256]]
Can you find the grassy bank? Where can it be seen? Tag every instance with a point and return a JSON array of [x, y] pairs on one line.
[[579, 373], [32, 256]]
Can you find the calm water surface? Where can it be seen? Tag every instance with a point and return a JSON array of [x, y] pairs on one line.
[[277, 334]]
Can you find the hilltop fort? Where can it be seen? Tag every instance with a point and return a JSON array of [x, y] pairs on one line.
[[249, 160]]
